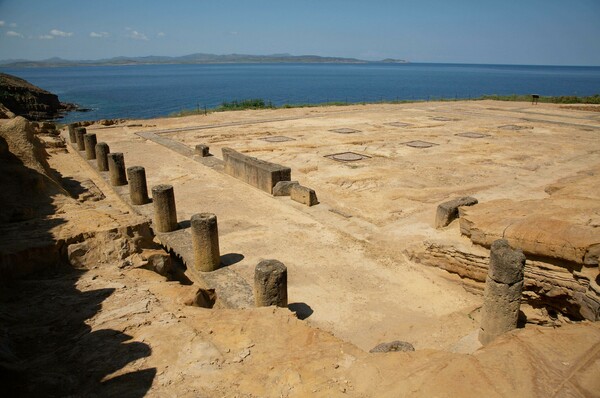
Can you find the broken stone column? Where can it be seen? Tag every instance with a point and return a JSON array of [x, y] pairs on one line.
[[102, 151], [138, 190], [205, 242], [72, 133], [202, 150], [270, 284], [79, 133], [165, 213], [89, 141], [448, 211], [503, 287], [116, 169]]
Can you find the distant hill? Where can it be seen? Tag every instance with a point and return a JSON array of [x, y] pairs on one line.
[[198, 58]]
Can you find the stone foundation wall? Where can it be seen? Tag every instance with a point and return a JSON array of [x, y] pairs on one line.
[[258, 173]]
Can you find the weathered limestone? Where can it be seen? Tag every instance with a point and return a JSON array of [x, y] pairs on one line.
[[165, 213], [258, 173], [394, 346], [303, 195], [138, 190], [270, 284], [503, 287], [89, 141], [102, 151], [116, 169], [205, 242], [72, 133], [283, 188], [202, 150], [79, 133], [448, 211]]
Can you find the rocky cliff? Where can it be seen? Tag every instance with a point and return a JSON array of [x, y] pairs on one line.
[[22, 98]]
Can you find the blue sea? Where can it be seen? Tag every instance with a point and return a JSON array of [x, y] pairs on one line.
[[145, 91]]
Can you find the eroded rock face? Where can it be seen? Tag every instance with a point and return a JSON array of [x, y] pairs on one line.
[[24, 99]]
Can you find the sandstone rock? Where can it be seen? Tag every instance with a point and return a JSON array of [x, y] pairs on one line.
[[159, 262], [76, 254], [394, 346], [204, 298], [284, 188]]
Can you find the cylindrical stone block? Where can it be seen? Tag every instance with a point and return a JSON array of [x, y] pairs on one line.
[[116, 169], [79, 133], [138, 190], [102, 151], [72, 134], [503, 288], [270, 284], [165, 213], [89, 141], [202, 150], [205, 242]]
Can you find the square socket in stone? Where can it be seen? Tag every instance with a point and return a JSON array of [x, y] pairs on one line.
[[347, 157], [345, 131], [277, 138], [470, 134], [443, 119], [420, 144], [398, 124], [511, 127]]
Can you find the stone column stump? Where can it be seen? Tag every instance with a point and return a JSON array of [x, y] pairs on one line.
[[116, 169], [205, 242], [102, 151], [72, 133], [89, 141], [503, 288], [270, 284], [79, 133], [165, 213], [138, 189]]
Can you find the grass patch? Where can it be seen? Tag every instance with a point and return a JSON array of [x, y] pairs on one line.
[[259, 103], [563, 99]]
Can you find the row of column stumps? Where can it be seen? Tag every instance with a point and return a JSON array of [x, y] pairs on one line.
[[270, 276]]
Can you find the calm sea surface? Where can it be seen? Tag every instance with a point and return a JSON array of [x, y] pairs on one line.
[[145, 91]]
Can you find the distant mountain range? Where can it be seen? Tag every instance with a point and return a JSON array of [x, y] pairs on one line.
[[198, 58]]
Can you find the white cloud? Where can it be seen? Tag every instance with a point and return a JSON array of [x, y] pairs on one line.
[[161, 34], [2, 23], [46, 37], [60, 33], [134, 34], [12, 33], [12, 25], [233, 33], [99, 34]]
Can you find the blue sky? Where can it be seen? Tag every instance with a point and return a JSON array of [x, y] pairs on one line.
[[542, 32]]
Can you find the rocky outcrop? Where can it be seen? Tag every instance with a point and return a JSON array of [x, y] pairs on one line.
[[566, 291], [21, 98]]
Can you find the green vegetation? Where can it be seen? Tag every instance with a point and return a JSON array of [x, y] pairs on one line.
[[259, 103], [565, 99]]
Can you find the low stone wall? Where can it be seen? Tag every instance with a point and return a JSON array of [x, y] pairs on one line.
[[258, 173]]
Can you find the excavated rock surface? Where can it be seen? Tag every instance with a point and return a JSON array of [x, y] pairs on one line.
[[24, 99]]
